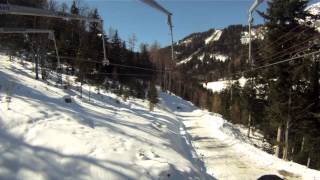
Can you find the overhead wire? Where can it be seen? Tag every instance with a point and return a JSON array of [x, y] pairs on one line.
[[287, 51], [113, 64], [276, 63], [287, 40], [279, 38], [120, 74]]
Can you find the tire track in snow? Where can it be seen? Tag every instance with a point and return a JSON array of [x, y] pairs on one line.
[[221, 158]]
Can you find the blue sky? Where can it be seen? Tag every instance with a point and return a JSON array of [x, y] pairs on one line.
[[149, 25]]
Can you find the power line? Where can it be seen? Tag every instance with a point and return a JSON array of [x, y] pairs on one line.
[[281, 37], [287, 60], [276, 63], [114, 64], [287, 49], [277, 45], [120, 74]]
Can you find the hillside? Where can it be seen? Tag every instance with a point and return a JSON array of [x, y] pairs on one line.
[[42, 137], [207, 55], [213, 54]]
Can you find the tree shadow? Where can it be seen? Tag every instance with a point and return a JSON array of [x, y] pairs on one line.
[[19, 158], [17, 154]]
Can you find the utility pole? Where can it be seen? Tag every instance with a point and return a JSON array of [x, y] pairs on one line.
[[35, 31], [250, 21], [250, 61], [154, 4]]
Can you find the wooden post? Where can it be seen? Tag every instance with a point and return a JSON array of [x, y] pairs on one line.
[[279, 131], [286, 147]]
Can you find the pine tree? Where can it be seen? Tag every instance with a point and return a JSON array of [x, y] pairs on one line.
[[152, 96], [281, 19]]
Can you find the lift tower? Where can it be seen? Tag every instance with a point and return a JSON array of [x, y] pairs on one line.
[[157, 6]]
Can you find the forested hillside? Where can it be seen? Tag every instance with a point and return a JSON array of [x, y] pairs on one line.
[[80, 48], [281, 93]]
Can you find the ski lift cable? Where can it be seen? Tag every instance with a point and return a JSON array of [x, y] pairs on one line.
[[50, 33], [114, 64], [31, 11], [154, 4], [120, 74], [33, 31]]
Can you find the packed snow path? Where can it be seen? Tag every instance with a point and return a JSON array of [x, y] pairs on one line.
[[223, 148]]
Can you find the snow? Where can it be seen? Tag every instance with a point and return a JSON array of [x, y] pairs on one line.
[[218, 86], [186, 42], [220, 57], [214, 37], [225, 150], [314, 9], [184, 61], [42, 137], [255, 34], [201, 57]]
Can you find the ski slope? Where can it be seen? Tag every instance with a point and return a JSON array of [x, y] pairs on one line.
[[214, 37], [42, 137]]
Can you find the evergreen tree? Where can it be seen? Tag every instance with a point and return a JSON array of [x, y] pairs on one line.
[[281, 20], [152, 96]]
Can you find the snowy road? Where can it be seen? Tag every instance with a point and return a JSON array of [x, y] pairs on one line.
[[223, 150], [221, 158]]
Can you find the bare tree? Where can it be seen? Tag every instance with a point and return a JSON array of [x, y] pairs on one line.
[[132, 42]]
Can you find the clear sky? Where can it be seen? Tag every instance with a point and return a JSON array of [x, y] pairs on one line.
[[149, 25]]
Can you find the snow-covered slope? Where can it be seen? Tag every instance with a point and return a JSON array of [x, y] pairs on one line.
[[214, 37], [42, 137]]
